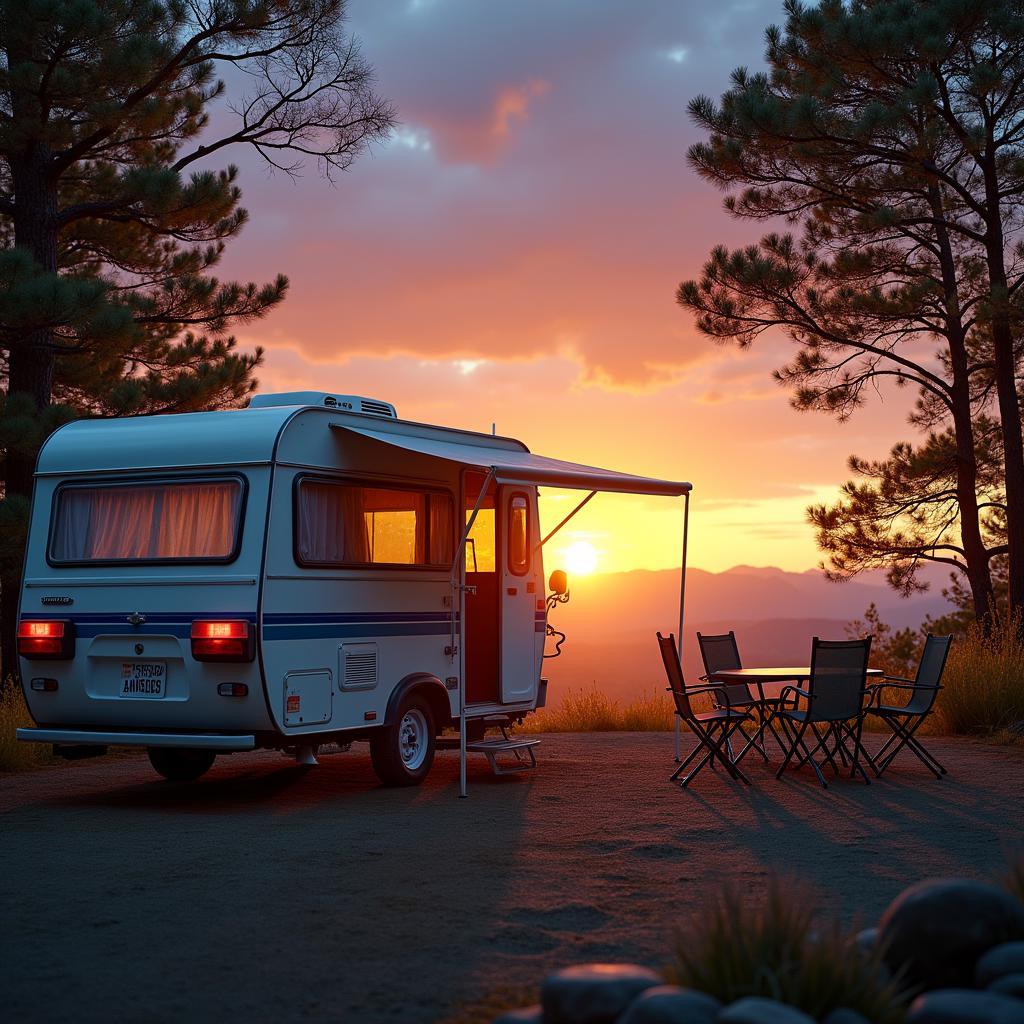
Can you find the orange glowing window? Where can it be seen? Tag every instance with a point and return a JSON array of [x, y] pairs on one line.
[[343, 524]]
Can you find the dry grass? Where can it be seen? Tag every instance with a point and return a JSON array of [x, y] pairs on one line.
[[781, 950], [15, 756], [983, 687], [595, 711]]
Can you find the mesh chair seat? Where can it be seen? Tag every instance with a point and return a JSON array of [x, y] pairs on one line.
[[721, 714], [796, 714]]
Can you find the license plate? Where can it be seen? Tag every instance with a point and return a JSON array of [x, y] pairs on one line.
[[147, 679]]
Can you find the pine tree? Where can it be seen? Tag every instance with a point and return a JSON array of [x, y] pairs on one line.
[[889, 132], [112, 221]]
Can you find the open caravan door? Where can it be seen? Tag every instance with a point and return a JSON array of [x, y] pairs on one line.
[[521, 586], [507, 468]]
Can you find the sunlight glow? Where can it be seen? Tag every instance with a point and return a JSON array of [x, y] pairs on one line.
[[580, 558]]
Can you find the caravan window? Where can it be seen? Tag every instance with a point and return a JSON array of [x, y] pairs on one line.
[[152, 521], [519, 535], [345, 524]]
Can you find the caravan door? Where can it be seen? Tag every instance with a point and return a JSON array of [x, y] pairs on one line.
[[518, 596]]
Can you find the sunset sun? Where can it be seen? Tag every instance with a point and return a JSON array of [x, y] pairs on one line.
[[580, 558]]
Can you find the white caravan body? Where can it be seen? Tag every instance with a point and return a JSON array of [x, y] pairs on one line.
[[318, 540]]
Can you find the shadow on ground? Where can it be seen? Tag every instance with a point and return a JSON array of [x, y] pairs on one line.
[[267, 891]]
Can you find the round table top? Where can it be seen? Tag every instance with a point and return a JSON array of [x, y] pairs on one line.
[[778, 674]]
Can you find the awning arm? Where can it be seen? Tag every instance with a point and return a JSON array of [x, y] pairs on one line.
[[458, 590], [566, 519], [460, 552]]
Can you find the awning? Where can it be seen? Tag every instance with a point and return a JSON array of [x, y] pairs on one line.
[[519, 466]]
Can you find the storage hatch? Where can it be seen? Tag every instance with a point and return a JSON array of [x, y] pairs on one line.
[[308, 697]]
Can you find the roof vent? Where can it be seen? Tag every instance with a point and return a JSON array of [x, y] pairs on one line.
[[344, 403]]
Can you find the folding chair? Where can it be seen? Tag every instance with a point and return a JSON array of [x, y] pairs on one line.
[[720, 653], [713, 729], [835, 693], [905, 720]]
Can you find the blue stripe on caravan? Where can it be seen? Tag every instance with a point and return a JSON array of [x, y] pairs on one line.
[[283, 626], [328, 631], [306, 617]]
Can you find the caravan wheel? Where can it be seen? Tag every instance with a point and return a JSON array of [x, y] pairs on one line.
[[403, 752], [180, 764]]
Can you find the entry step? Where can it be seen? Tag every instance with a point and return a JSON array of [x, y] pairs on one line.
[[521, 749]]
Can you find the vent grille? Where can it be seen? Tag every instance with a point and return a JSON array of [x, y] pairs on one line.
[[371, 408], [358, 666]]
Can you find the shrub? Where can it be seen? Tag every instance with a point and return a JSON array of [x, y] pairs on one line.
[[983, 687], [15, 756], [775, 951]]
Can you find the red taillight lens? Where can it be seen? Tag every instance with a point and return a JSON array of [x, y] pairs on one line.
[[228, 640], [46, 638]]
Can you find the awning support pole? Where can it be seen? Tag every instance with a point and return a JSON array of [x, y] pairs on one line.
[[682, 603], [566, 519], [456, 581]]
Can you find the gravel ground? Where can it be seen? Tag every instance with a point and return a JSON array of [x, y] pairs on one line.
[[270, 892]]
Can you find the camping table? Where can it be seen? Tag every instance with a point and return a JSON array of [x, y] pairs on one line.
[[765, 686]]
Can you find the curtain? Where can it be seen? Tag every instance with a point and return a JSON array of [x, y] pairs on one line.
[[186, 520], [197, 521], [441, 529], [73, 529], [332, 527]]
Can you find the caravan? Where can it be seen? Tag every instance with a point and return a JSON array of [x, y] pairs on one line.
[[306, 571]]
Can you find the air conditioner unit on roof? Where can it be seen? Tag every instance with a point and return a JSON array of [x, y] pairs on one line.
[[344, 403]]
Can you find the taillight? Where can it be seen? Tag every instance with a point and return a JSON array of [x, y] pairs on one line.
[[46, 638], [227, 640]]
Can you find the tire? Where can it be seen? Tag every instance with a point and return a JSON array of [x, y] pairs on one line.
[[403, 752], [180, 764]]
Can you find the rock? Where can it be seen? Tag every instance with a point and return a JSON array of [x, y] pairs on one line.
[[965, 1006], [669, 1004], [753, 1010], [1005, 959], [1009, 985], [527, 1015], [867, 939], [937, 930], [844, 1015], [593, 993]]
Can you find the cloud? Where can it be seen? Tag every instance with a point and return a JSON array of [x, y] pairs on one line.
[[513, 103], [534, 200]]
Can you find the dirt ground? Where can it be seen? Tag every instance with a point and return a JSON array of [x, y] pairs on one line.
[[269, 892]]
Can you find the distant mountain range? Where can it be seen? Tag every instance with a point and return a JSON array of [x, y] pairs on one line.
[[611, 620]]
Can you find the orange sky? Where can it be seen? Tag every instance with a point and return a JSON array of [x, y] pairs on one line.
[[511, 256]]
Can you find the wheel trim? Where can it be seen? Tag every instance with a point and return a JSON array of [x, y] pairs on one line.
[[413, 740]]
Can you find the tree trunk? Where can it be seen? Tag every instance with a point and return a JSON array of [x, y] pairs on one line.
[[31, 359], [978, 574], [1006, 393]]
